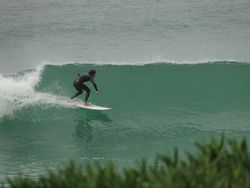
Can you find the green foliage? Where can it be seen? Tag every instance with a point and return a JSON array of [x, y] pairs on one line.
[[216, 165]]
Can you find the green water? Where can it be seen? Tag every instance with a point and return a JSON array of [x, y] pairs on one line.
[[155, 107]]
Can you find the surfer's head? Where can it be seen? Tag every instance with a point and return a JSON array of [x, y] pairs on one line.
[[92, 73]]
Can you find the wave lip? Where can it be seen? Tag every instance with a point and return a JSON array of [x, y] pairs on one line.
[[145, 62]]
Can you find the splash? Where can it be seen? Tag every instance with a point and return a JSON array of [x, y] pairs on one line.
[[18, 90]]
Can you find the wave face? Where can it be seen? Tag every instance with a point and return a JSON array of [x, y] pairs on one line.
[[155, 107]]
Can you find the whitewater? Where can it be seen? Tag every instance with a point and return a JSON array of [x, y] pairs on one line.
[[18, 91]]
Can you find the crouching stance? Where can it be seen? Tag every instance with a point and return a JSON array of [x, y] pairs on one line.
[[80, 86]]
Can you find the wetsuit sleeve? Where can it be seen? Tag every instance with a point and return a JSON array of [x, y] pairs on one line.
[[94, 84]]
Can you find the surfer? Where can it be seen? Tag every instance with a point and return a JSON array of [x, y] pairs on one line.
[[80, 86]]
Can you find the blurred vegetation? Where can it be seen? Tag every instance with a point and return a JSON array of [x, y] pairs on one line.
[[217, 164]]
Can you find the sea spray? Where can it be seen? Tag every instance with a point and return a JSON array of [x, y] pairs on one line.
[[18, 90]]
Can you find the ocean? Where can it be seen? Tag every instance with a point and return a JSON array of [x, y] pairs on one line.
[[174, 72]]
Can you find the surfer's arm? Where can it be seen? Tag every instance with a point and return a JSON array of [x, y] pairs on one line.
[[94, 84]]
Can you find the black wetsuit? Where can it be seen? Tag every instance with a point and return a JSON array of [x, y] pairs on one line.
[[79, 85]]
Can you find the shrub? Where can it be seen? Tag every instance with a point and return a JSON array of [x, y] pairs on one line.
[[215, 165]]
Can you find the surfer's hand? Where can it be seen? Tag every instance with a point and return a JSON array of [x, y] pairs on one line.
[[97, 92]]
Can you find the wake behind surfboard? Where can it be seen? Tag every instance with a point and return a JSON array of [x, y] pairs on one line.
[[89, 106]]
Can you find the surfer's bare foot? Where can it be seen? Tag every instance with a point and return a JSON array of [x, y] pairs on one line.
[[86, 104]]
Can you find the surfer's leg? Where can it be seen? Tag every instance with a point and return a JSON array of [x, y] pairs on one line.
[[79, 91], [85, 88]]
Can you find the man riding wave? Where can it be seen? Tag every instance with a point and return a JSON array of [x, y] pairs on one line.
[[80, 86]]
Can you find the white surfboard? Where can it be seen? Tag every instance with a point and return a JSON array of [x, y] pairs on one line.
[[89, 106]]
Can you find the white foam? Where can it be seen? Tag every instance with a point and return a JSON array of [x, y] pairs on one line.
[[17, 91]]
